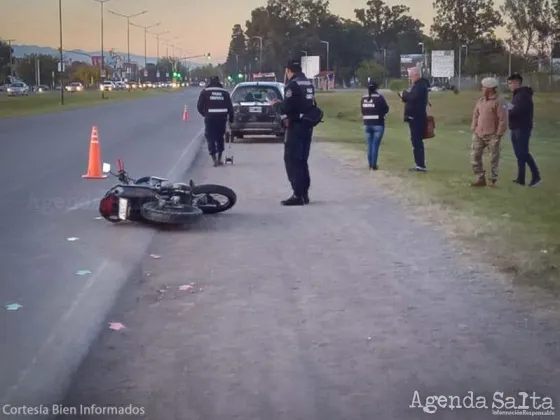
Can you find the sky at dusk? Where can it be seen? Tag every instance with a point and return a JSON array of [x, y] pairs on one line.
[[197, 27]]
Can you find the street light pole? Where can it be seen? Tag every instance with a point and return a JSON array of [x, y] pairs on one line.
[[61, 53], [328, 48], [128, 17], [157, 40], [102, 3], [146, 40], [260, 38], [460, 64]]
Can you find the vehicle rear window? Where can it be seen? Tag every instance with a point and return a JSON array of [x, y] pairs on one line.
[[256, 94]]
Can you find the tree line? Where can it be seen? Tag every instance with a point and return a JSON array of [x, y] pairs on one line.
[[379, 33]]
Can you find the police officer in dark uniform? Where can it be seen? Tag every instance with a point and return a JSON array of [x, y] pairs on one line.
[[299, 100], [214, 104]]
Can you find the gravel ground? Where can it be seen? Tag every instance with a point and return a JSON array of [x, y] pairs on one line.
[[337, 310]]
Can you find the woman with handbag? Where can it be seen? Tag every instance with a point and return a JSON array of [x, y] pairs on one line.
[[374, 109]]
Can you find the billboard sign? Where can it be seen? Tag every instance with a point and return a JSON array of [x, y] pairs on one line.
[[443, 63], [311, 65], [410, 60]]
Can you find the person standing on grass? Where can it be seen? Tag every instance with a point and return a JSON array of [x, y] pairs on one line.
[[416, 115], [489, 124], [521, 111], [374, 108]]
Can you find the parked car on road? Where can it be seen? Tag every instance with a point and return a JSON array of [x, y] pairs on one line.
[[18, 89], [120, 85], [256, 108]]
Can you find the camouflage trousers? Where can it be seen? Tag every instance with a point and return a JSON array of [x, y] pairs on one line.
[[479, 144]]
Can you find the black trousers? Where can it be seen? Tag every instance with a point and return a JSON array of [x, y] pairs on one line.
[[297, 146], [214, 131], [520, 140], [417, 126]]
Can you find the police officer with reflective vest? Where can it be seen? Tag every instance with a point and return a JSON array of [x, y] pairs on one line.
[[299, 103], [214, 104]]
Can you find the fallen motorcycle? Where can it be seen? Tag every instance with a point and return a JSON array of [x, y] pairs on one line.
[[153, 199]]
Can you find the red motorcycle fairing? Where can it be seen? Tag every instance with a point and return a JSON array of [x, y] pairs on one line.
[[137, 195]]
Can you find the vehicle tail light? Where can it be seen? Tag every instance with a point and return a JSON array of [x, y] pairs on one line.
[[109, 206]]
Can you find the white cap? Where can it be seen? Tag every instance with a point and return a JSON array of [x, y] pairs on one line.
[[489, 82]]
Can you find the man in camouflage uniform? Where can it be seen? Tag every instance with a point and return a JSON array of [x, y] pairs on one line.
[[489, 124]]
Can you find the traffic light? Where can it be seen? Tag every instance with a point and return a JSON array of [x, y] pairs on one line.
[[208, 56]]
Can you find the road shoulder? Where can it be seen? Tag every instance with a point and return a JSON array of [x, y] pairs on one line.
[[339, 309]]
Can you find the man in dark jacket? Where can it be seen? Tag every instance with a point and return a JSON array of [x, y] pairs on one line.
[[214, 104], [521, 111], [299, 100], [415, 114]]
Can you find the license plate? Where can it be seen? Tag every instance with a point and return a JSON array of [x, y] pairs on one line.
[[123, 208], [255, 109]]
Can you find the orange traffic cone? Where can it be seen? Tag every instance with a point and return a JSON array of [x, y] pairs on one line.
[[186, 113], [94, 165]]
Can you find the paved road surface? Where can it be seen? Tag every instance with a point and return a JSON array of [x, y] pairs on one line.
[[43, 201], [337, 310]]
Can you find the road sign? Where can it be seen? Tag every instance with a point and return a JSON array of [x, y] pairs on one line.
[[167, 74], [145, 73], [157, 74], [61, 67], [103, 73], [443, 63]]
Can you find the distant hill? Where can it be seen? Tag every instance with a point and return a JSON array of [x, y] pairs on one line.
[[22, 50]]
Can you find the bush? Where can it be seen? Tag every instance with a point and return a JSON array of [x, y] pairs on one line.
[[369, 69], [398, 85]]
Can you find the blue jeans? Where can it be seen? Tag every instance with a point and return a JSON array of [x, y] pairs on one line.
[[374, 134]]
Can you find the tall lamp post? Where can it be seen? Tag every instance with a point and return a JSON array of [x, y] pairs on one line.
[[157, 41], [61, 53], [260, 38], [145, 39], [102, 3], [328, 48], [128, 17], [461, 63]]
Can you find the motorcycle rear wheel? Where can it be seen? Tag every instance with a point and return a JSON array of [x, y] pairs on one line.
[[176, 215], [214, 190]]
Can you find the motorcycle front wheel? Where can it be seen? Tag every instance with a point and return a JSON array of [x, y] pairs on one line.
[[170, 215], [212, 199]]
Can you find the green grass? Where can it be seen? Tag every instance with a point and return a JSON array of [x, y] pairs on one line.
[[517, 227], [50, 101]]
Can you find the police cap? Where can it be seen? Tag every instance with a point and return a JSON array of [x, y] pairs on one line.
[[294, 65]]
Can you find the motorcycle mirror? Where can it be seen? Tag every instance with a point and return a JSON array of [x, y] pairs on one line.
[[106, 168]]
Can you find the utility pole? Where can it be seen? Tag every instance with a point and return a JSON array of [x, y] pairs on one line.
[[102, 3], [460, 64], [509, 58], [146, 40], [385, 67], [61, 69], [260, 38]]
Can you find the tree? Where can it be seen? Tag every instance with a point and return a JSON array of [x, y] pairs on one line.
[[464, 21], [27, 68], [5, 55], [237, 53], [85, 73], [388, 24], [370, 68], [531, 26]]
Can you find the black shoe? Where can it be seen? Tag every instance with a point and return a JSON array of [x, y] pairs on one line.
[[518, 182], [293, 201], [418, 169], [215, 160], [535, 182], [306, 198], [374, 168]]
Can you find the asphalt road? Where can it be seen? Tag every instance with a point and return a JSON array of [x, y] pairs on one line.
[[43, 202]]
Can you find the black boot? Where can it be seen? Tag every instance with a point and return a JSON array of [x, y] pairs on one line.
[[215, 160], [220, 162], [294, 200], [306, 198]]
